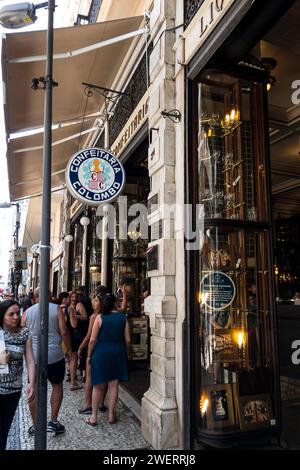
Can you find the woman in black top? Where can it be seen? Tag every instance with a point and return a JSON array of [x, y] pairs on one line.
[[76, 323]]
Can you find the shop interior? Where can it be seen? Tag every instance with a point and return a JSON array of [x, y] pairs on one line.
[[280, 49], [129, 266]]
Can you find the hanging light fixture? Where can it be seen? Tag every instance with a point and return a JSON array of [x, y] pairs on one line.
[[271, 82], [84, 221], [269, 64]]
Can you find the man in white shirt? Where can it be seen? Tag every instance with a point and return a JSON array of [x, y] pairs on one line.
[[58, 332]]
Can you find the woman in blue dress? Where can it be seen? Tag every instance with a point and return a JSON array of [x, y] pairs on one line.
[[108, 354]]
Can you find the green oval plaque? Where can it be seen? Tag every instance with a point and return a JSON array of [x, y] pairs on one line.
[[217, 290]]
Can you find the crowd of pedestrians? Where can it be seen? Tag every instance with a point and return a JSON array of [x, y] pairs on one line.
[[89, 336]]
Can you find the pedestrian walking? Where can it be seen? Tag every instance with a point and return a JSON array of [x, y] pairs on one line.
[[97, 302], [9, 296], [76, 323], [15, 342], [64, 302], [28, 301], [58, 332], [86, 302], [107, 351], [21, 300]]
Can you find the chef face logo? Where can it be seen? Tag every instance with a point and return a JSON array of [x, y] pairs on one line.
[[95, 176]]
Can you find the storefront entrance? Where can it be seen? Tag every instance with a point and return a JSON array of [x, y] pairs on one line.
[[129, 266]]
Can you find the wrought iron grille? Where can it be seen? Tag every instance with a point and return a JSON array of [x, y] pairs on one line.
[[92, 15], [135, 90], [190, 9], [100, 142]]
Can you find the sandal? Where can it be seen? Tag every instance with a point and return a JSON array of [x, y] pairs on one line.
[[91, 423], [75, 387], [85, 411]]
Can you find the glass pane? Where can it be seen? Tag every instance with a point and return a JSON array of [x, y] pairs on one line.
[[235, 331], [76, 255], [95, 254], [225, 149]]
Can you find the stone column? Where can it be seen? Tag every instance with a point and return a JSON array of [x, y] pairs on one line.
[[84, 255], [160, 424]]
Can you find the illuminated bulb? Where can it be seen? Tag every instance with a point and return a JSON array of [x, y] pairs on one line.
[[204, 406], [269, 86], [232, 116], [227, 118], [240, 339]]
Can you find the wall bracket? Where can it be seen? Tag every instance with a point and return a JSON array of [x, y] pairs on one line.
[[174, 115]]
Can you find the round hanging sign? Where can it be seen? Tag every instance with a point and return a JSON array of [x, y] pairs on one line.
[[95, 176], [217, 290]]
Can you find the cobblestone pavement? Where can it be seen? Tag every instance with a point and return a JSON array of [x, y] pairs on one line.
[[125, 434]]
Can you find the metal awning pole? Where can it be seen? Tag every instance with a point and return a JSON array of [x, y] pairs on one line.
[[40, 442]]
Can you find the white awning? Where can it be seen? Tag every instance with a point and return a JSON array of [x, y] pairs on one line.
[[23, 58]]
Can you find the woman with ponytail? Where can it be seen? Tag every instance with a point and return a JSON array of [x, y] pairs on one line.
[[107, 352]]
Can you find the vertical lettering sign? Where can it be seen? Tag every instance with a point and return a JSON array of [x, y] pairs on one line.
[[95, 176]]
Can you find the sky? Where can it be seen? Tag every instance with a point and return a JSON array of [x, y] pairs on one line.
[[62, 17]]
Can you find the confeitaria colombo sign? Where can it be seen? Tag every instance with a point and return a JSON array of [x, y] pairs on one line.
[[95, 176]]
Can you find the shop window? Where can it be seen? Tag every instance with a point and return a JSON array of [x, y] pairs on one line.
[[229, 182], [95, 254], [237, 383], [76, 256]]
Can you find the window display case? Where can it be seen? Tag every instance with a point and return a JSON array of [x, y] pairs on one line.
[[76, 256], [95, 253], [237, 384]]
